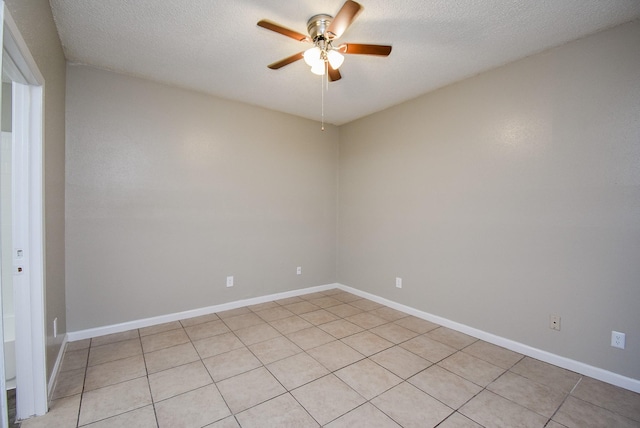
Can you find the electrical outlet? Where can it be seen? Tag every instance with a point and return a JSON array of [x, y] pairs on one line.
[[229, 281], [299, 270], [617, 339], [554, 322], [398, 282]]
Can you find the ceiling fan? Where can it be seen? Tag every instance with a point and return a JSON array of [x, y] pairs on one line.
[[324, 30]]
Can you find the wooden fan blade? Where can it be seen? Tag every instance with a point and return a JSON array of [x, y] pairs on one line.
[[361, 49], [346, 15], [282, 30], [334, 74], [286, 61]]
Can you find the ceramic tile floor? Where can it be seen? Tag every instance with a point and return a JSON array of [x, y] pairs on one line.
[[324, 359]]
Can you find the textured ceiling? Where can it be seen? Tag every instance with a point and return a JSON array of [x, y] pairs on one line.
[[215, 46]]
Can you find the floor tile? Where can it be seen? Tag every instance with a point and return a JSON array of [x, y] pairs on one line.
[[489, 409], [74, 360], [453, 338], [310, 338], [340, 328], [610, 397], [273, 314], [400, 361], [143, 417], [291, 324], [69, 383], [471, 368], [410, 407], [346, 297], [231, 363], [165, 339], [297, 370], [289, 300], [367, 343], [228, 422], [207, 329], [115, 337], [248, 389], [344, 310], [365, 304], [114, 400], [493, 354], [365, 416], [416, 324], [366, 320], [327, 398], [301, 307], [428, 349], [262, 306], [114, 372], [160, 328], [233, 313], [325, 302], [576, 413], [457, 420], [175, 381], [190, 322], [447, 387], [257, 333], [78, 345], [335, 355], [534, 396], [388, 313], [368, 378], [114, 351], [63, 413], [546, 374], [318, 317], [195, 408], [168, 358], [394, 333], [216, 345], [243, 321], [274, 349], [282, 412]]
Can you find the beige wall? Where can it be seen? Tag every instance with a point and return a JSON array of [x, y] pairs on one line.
[[170, 191], [508, 197], [35, 22]]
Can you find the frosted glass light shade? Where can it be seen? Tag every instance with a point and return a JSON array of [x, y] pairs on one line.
[[312, 56], [335, 59], [318, 68]]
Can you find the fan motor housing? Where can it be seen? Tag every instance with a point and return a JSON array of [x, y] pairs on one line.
[[317, 25]]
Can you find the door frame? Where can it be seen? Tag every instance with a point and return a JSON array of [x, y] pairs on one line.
[[28, 220]]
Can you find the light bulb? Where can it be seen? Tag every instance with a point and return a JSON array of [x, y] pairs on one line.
[[318, 68], [312, 56], [335, 59]]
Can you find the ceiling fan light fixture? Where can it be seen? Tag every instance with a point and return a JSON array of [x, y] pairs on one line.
[[318, 68], [312, 56], [335, 59]]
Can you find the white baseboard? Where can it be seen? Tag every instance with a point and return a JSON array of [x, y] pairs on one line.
[[557, 360], [566, 363], [53, 379], [146, 322]]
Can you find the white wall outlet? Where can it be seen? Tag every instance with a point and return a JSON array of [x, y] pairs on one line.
[[299, 270], [55, 327], [617, 339], [229, 281], [398, 282], [554, 322]]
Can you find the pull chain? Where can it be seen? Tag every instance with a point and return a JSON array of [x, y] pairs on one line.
[[322, 97]]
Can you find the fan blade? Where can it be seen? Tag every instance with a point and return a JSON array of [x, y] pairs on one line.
[[361, 49], [334, 74], [344, 18], [286, 61], [282, 30]]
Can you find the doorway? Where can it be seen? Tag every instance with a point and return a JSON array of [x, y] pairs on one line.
[[22, 253]]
